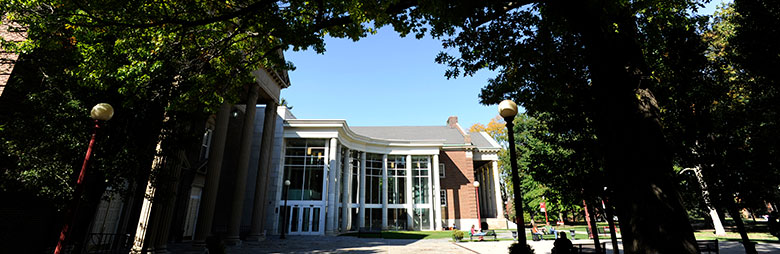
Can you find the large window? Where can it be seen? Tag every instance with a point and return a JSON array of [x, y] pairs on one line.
[[422, 219], [420, 175], [373, 178], [373, 217], [396, 179], [355, 156], [396, 218], [304, 166]]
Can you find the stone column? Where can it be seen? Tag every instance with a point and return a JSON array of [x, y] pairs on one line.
[[331, 218], [256, 233], [409, 197], [209, 197], [384, 191], [436, 193], [346, 184], [497, 187], [239, 185], [362, 191]]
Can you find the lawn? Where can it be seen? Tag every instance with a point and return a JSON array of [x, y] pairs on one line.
[[581, 233], [406, 235]]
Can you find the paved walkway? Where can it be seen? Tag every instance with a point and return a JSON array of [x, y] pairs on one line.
[[345, 244]]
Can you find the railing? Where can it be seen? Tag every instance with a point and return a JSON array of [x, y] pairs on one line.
[[107, 243]]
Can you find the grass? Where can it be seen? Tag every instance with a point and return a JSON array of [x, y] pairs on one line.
[[581, 233], [406, 235]]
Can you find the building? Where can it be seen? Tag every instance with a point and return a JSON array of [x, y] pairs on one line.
[[395, 178]]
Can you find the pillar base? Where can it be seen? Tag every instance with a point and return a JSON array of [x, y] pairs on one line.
[[255, 238], [232, 242]]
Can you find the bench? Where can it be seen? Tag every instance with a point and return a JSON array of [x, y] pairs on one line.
[[708, 246], [369, 231], [487, 234], [588, 248]]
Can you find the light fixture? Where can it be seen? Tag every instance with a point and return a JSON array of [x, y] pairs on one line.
[[102, 111], [507, 108], [476, 184]]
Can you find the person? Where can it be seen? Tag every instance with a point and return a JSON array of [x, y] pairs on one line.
[[562, 245], [475, 232]]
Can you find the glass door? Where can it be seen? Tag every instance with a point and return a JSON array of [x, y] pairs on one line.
[[304, 220]]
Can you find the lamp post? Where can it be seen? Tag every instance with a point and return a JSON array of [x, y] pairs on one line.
[[508, 110], [284, 221], [100, 112], [476, 191]]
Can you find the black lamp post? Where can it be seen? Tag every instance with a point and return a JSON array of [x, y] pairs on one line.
[[508, 110], [100, 112], [284, 221]]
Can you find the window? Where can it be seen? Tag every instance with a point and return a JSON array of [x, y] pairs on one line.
[[420, 175], [443, 194], [441, 170], [355, 159], [304, 166], [205, 145], [373, 178], [396, 179]]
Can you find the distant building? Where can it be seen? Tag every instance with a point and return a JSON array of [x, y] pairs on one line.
[[396, 177]]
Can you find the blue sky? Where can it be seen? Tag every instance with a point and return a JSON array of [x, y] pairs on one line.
[[386, 80]]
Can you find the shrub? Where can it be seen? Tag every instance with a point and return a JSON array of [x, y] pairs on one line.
[[517, 248], [457, 235]]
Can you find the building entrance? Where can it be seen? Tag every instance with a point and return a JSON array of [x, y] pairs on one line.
[[305, 219]]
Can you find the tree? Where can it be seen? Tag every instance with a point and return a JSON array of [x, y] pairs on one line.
[[587, 53]]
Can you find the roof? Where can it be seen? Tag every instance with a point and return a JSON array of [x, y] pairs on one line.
[[9, 32], [483, 140], [449, 135]]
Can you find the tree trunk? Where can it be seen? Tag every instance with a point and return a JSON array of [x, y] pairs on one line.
[[594, 229], [612, 231], [750, 248], [637, 162], [716, 222]]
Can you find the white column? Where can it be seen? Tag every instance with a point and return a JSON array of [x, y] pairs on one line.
[[431, 194], [409, 198], [346, 184], [497, 187], [384, 191], [333, 167], [362, 191], [436, 193]]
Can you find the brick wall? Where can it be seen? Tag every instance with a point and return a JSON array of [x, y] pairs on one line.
[[459, 176]]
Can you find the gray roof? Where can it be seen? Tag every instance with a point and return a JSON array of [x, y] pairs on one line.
[[450, 135], [480, 141]]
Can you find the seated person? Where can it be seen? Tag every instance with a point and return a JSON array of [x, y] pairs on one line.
[[562, 245], [475, 232], [552, 231]]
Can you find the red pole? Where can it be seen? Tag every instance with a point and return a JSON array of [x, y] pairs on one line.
[[73, 209], [479, 220]]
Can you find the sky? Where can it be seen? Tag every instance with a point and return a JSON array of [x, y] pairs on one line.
[[386, 80]]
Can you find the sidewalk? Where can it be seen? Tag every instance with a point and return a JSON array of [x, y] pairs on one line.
[[346, 244]]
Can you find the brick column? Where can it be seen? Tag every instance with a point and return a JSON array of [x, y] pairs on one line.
[[257, 232], [362, 191], [409, 197], [346, 185], [497, 187], [239, 185], [209, 198], [331, 217], [384, 191], [436, 193]]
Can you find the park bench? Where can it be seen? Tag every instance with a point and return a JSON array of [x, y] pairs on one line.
[[370, 231], [708, 246], [487, 234], [580, 248]]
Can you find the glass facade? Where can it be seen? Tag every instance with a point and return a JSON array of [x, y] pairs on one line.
[[373, 178], [304, 166], [396, 179], [420, 177], [396, 218]]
